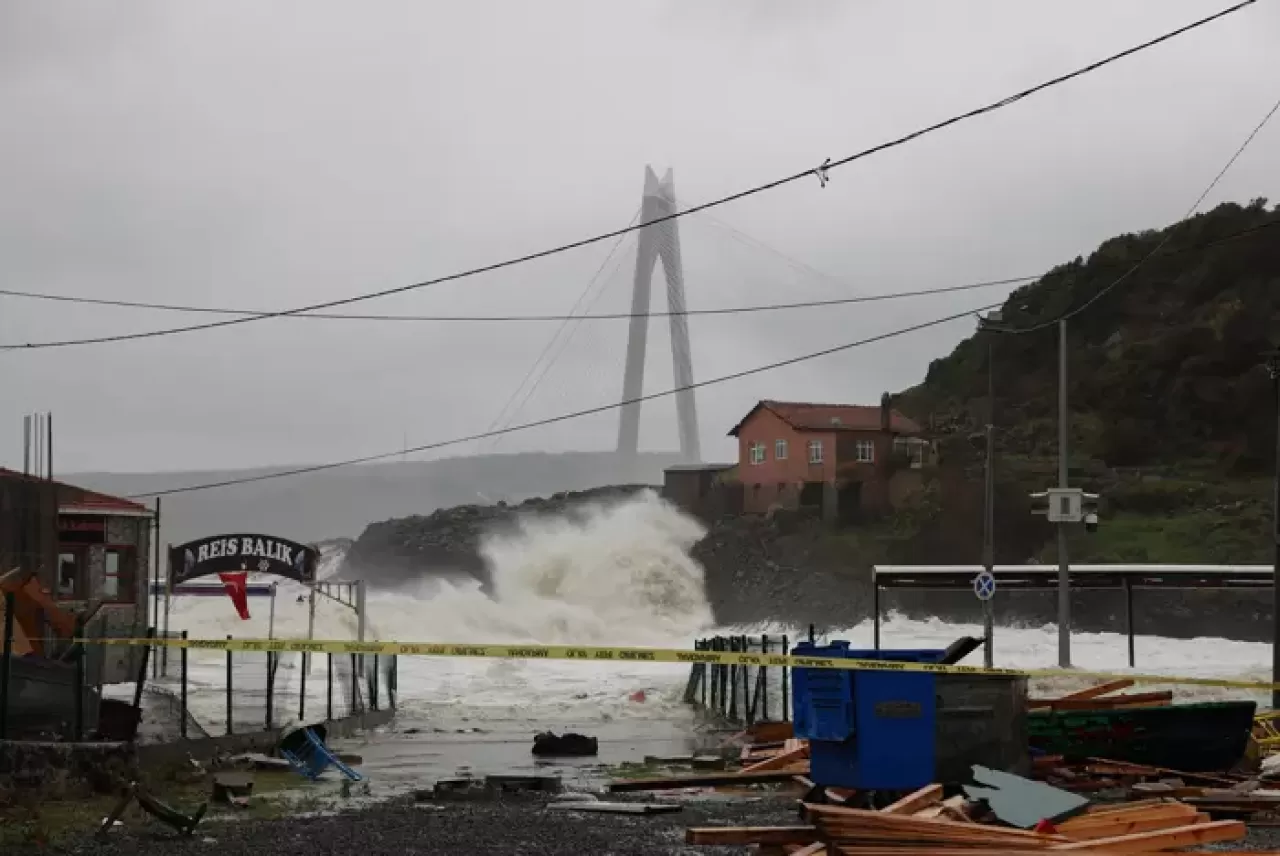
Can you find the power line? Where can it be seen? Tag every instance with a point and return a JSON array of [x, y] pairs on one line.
[[1066, 316], [511, 429], [577, 414], [819, 171], [607, 316]]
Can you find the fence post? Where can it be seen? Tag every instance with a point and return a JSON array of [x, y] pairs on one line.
[[726, 673], [733, 681], [182, 728], [77, 645], [355, 683], [302, 687], [230, 706], [764, 679], [707, 672], [329, 688], [373, 685], [745, 670], [271, 687], [713, 678], [786, 682], [6, 657]]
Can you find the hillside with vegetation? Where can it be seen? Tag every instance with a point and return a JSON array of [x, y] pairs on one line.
[[1172, 422], [1172, 410]]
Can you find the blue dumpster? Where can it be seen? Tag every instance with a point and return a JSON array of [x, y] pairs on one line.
[[869, 730]]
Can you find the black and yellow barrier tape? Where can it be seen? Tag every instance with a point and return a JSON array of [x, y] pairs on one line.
[[605, 654]]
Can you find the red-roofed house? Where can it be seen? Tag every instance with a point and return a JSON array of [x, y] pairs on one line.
[[86, 546], [845, 458]]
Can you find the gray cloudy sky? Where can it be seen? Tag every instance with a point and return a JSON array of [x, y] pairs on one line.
[[267, 155]]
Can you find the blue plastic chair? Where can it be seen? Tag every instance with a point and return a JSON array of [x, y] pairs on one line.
[[309, 756]]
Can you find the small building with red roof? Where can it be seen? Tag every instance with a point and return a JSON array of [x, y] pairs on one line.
[[86, 547], [846, 459]]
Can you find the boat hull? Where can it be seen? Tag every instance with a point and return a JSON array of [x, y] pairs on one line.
[[1195, 738]]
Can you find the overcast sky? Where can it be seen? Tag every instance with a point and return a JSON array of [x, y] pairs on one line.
[[267, 155]]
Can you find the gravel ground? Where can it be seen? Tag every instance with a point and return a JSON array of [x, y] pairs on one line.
[[398, 828]]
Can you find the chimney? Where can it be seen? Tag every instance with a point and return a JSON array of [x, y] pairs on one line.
[[886, 413]]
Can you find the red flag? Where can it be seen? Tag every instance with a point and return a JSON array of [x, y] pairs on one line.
[[234, 582]]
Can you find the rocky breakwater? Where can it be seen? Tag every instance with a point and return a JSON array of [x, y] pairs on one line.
[[446, 543]]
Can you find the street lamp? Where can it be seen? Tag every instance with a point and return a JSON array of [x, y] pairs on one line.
[[1273, 369]]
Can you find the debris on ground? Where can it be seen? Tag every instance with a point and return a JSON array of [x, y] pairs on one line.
[[569, 745], [1094, 805]]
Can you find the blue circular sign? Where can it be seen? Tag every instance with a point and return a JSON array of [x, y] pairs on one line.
[[984, 585]]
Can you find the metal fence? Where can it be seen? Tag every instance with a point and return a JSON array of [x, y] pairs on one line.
[[742, 694], [236, 692], [200, 693]]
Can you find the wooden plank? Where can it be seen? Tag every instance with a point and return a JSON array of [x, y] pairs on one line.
[[1163, 839], [1127, 827], [1113, 702], [741, 835], [1142, 769], [817, 848], [860, 820], [1101, 689], [619, 807], [770, 732], [913, 802], [704, 780], [1139, 812], [785, 758]]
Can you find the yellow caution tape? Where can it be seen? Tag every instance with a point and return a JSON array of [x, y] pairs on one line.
[[652, 655]]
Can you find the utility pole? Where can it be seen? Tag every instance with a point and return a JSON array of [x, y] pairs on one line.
[[989, 498], [1273, 367], [1064, 573]]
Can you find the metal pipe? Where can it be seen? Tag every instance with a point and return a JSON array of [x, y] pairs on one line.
[[77, 643], [1128, 618], [6, 658], [271, 687], [48, 443], [154, 618], [1064, 572], [1273, 366], [230, 697], [182, 655], [989, 513], [786, 680], [329, 688], [764, 678]]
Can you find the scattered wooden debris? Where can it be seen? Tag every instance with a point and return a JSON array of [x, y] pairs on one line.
[[703, 780], [619, 807]]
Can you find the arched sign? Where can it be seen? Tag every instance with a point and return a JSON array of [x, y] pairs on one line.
[[257, 554]]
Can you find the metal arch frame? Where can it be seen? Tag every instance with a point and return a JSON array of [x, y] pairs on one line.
[[1126, 578]]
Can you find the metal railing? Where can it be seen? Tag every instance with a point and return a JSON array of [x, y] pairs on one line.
[[248, 691], [742, 694]]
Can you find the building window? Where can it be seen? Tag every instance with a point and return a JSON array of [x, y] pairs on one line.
[[71, 571], [780, 449], [865, 452], [117, 574], [756, 453], [815, 451]]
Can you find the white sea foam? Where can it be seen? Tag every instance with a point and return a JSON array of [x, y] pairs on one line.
[[611, 574]]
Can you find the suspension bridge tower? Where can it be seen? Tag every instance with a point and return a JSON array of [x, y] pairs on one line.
[[658, 240]]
